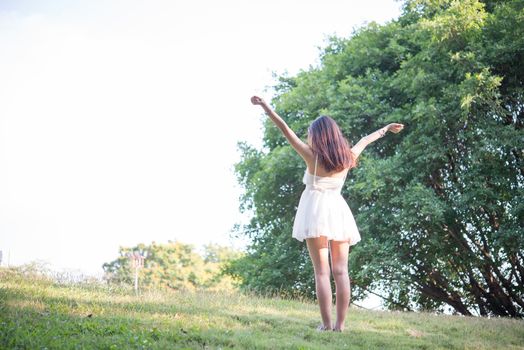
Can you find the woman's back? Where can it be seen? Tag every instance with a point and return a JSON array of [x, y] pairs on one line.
[[321, 172]]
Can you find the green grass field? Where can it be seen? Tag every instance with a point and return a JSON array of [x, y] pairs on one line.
[[37, 313]]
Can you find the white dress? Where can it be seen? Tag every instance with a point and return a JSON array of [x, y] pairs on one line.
[[322, 211]]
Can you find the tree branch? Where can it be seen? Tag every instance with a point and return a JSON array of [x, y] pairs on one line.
[[407, 308]]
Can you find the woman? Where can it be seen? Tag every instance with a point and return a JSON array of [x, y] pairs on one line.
[[323, 217]]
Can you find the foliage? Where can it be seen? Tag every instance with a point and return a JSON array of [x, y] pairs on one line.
[[439, 206], [174, 265], [36, 313]]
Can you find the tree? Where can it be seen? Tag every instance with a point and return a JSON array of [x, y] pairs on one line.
[[174, 265], [440, 207]]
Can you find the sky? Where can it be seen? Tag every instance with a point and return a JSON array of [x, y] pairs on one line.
[[119, 120]]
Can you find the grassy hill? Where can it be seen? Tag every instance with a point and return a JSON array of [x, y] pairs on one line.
[[38, 313]]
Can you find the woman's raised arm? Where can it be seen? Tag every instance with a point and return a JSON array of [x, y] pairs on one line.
[[300, 146], [366, 140]]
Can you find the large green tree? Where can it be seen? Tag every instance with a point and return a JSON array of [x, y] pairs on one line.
[[439, 206]]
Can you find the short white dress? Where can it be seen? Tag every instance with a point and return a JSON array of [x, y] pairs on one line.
[[322, 211]]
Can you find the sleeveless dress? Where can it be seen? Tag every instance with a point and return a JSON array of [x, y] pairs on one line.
[[322, 211]]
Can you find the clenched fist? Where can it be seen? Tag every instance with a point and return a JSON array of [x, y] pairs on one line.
[[257, 100]]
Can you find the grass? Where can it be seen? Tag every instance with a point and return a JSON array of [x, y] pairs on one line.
[[38, 313]]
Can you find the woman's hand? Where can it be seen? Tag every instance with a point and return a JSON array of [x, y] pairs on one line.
[[257, 101], [395, 127], [300, 146]]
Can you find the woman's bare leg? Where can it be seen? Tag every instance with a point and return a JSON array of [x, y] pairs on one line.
[[319, 252], [339, 265]]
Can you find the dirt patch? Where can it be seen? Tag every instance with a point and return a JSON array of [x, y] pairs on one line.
[[414, 333]]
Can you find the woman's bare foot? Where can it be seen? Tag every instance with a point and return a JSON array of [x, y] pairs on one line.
[[323, 328]]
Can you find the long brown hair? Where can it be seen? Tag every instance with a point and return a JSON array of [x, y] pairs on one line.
[[328, 142]]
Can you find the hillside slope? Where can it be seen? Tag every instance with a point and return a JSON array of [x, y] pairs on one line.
[[37, 313]]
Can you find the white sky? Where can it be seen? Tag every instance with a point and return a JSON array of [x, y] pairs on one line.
[[119, 119]]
